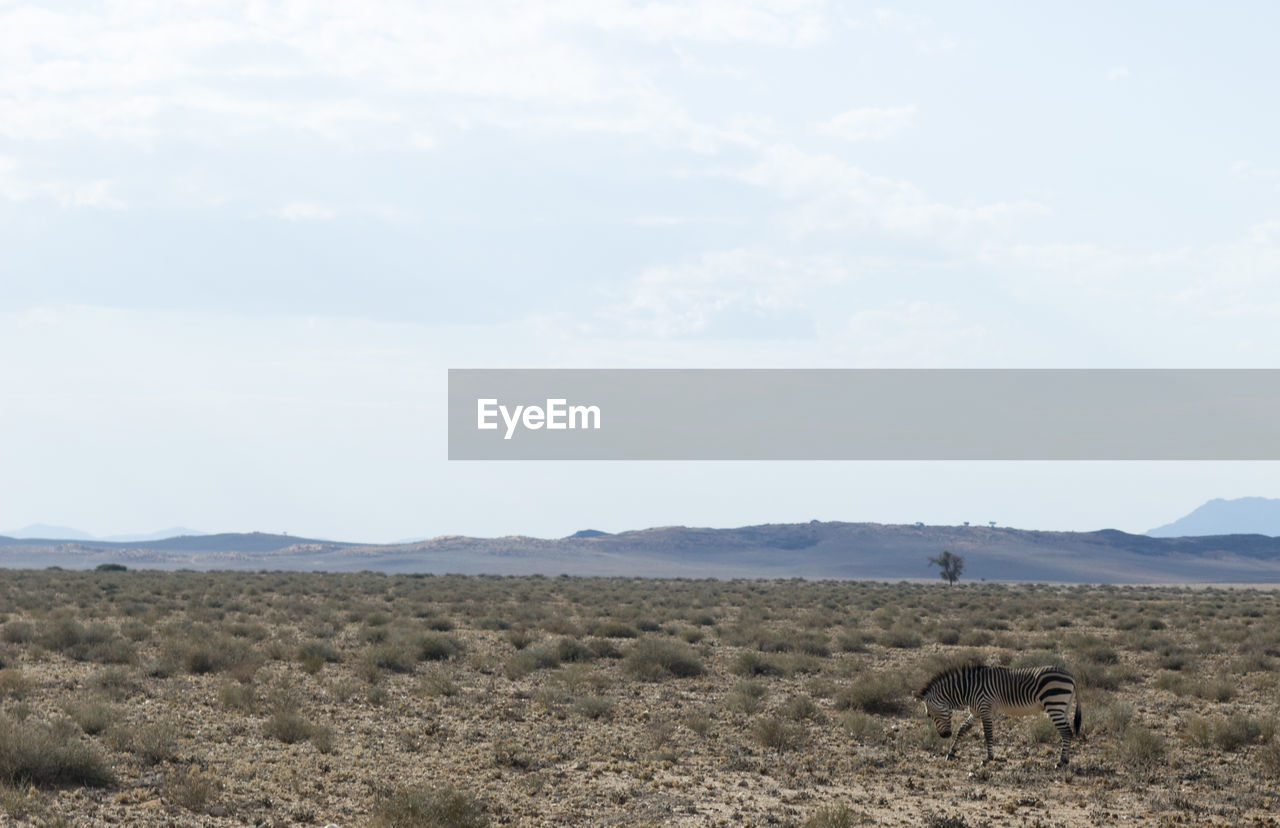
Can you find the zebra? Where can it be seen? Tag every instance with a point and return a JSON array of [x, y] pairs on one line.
[[986, 690]]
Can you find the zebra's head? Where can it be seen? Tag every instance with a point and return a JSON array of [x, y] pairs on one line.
[[946, 692], [940, 713]]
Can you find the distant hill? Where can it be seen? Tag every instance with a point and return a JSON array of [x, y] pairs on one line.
[[228, 550], [1242, 516], [804, 550], [160, 534], [44, 530]]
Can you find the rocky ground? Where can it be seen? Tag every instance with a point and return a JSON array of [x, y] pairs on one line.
[[243, 699]]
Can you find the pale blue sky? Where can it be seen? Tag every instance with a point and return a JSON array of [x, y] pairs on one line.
[[240, 244]]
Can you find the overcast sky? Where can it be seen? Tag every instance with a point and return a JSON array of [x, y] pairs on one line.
[[241, 243]]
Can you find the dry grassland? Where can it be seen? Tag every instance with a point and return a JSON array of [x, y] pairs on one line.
[[147, 698]]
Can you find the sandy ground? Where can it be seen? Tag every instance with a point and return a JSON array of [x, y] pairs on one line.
[[589, 744]]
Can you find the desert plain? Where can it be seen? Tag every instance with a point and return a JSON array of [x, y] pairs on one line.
[[273, 698]]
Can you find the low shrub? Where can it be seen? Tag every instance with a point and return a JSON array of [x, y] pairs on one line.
[[801, 708], [776, 733], [573, 650], [1269, 759], [531, 658], [1115, 718], [93, 717], [835, 816], [191, 788], [393, 657], [747, 696], [873, 693], [236, 696], [1236, 731], [853, 641], [751, 663], [1141, 749], [436, 647], [656, 659], [18, 632], [438, 683], [48, 754], [14, 684], [313, 655], [521, 638], [1219, 690], [594, 707], [615, 629], [152, 743], [287, 725], [114, 682], [860, 726], [422, 806], [901, 639]]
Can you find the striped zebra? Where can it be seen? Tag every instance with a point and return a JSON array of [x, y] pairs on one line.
[[984, 691]]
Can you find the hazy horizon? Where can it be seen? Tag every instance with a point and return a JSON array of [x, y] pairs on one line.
[[51, 531], [244, 244]]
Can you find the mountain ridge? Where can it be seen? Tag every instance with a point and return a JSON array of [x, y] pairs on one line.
[[1220, 516], [807, 550], [45, 531]]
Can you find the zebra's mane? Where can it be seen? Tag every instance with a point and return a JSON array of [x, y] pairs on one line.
[[947, 672]]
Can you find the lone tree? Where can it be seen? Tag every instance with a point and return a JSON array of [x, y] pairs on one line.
[[951, 566]]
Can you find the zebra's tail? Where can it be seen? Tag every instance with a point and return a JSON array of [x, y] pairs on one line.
[[1075, 723]]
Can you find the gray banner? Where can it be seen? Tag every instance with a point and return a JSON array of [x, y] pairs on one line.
[[980, 414]]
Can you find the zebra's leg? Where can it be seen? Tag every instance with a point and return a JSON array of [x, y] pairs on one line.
[[986, 735], [1059, 718], [960, 731]]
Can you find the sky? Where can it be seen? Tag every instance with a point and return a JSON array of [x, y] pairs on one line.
[[242, 243]]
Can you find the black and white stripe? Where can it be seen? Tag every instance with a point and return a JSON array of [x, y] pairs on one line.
[[984, 691]]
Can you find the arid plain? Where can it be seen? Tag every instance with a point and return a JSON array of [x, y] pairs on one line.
[[187, 698]]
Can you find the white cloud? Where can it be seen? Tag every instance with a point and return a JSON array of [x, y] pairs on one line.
[[14, 186], [1208, 306], [136, 71], [1116, 73], [1081, 264], [783, 23], [91, 194], [1266, 234], [305, 211], [830, 194], [914, 334], [869, 123], [1249, 170], [1240, 280], [9, 188], [907, 21], [920, 28], [732, 293]]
